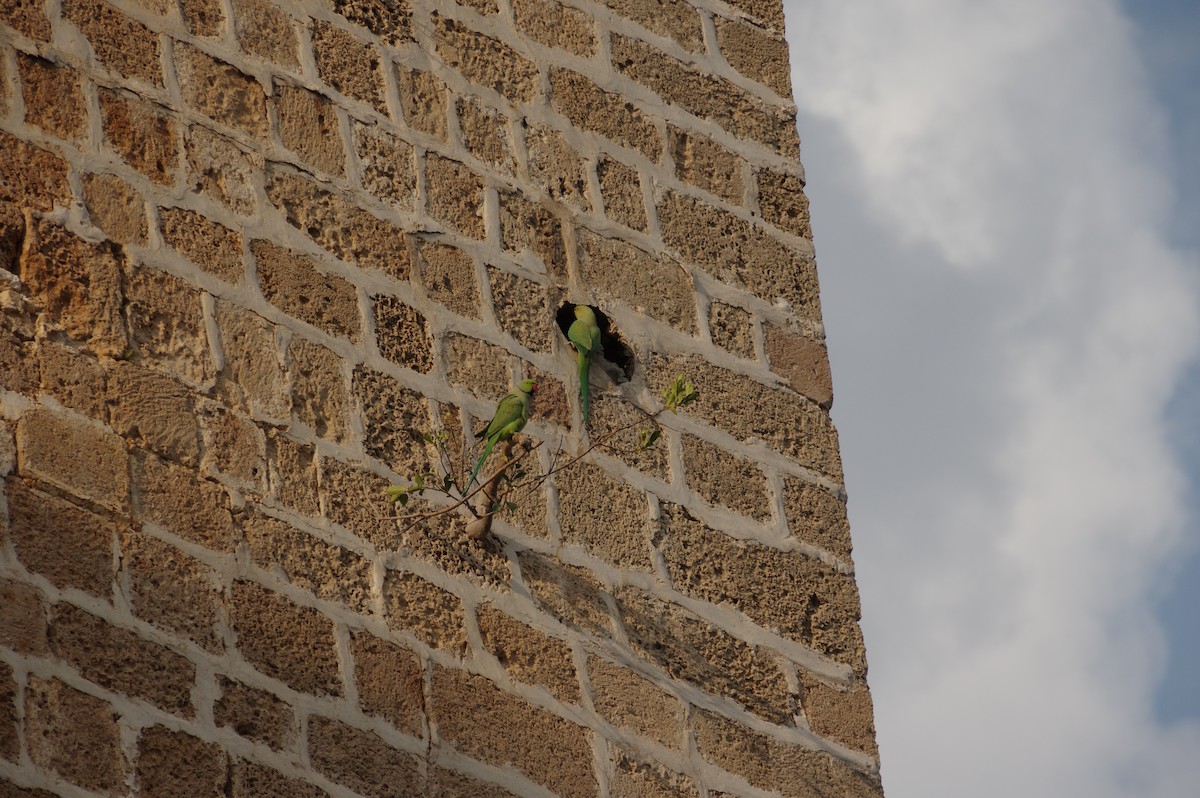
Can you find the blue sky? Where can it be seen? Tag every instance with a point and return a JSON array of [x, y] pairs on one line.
[[1007, 220]]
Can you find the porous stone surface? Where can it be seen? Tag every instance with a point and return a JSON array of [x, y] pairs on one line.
[[270, 260]]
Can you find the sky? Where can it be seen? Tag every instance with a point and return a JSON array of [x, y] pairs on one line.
[[1006, 212]]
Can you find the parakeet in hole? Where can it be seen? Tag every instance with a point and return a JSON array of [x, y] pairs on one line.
[[584, 333], [509, 419]]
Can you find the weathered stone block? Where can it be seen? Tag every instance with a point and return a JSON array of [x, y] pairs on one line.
[[337, 224], [153, 411], [142, 133], [74, 735], [691, 649], [203, 17], [523, 309], [551, 403], [591, 108], [610, 413], [26, 17], [621, 190], [448, 275], [297, 285], [738, 252], [725, 479], [556, 25], [348, 64], [253, 378], [285, 641], [841, 714], [210, 245], [455, 195], [389, 681], [604, 515], [634, 778], [352, 497], [816, 516], [176, 763], [234, 449], [361, 761], [219, 169], [422, 101], [121, 44], [484, 60], [256, 714], [31, 176], [528, 655], [66, 544], [567, 592], [308, 126], [673, 19], [390, 20], [53, 98], [447, 782], [482, 721], [630, 702], [320, 398], [393, 417], [480, 367], [266, 31], [166, 323], [252, 780], [119, 660], [527, 225], [12, 236], [755, 53], [485, 133], [387, 166], [22, 615], [175, 499], [434, 615], [732, 328], [783, 203], [73, 378], [555, 166], [116, 208], [171, 590], [327, 571], [706, 164], [74, 455], [402, 334], [656, 286], [20, 364], [803, 362], [221, 91], [78, 285], [10, 739], [292, 474]]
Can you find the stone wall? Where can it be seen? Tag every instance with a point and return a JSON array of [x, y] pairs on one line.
[[256, 253]]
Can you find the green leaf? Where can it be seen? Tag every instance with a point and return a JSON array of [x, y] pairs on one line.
[[648, 437], [394, 492], [510, 506]]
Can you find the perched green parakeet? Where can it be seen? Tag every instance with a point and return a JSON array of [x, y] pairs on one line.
[[584, 333], [509, 419]]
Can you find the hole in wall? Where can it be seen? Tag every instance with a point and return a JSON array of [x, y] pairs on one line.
[[613, 347]]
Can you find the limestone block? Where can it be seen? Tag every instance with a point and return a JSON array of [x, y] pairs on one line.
[[523, 309], [320, 398], [337, 224], [691, 649], [484, 7], [555, 166], [308, 126], [556, 25], [755, 53], [526, 225], [10, 740], [725, 479], [447, 782], [26, 17], [285, 641], [480, 367], [390, 21], [591, 108], [253, 378], [740, 253], [772, 765], [422, 101], [621, 190], [166, 323], [361, 761], [20, 365], [610, 413], [632, 703], [255, 714], [77, 284], [390, 682], [171, 590], [66, 544], [292, 473], [121, 43], [393, 417], [673, 19], [567, 592], [402, 334], [816, 516], [203, 17], [12, 236], [22, 615], [348, 64], [153, 411], [327, 571], [481, 721], [448, 275], [768, 12], [386, 165], [53, 98], [74, 455], [142, 134], [264, 30], [252, 780], [842, 714], [732, 328], [485, 133], [454, 195], [234, 448], [221, 91], [174, 498], [297, 285], [484, 60], [219, 169], [434, 615], [116, 208], [119, 660], [803, 362], [528, 655], [656, 286], [210, 245], [31, 176], [73, 378], [704, 163], [353, 497], [604, 515], [783, 203], [178, 764], [632, 777], [551, 403], [74, 735]]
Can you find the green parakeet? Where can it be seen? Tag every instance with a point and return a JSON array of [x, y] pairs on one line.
[[584, 333], [509, 419]]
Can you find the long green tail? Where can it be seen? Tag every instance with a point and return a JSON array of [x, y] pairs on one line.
[[585, 364], [482, 458]]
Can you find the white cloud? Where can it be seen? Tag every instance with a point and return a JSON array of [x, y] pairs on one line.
[[990, 198]]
